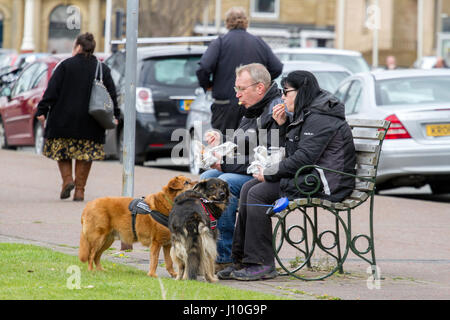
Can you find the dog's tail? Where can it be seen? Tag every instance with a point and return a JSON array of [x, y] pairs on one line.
[[196, 230], [83, 251]]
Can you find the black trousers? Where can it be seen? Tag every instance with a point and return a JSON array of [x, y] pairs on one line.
[[226, 116], [252, 240]]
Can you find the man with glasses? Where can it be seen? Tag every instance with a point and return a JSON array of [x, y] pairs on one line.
[[258, 94], [223, 56]]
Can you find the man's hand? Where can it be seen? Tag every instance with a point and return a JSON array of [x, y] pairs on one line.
[[212, 138], [217, 165]]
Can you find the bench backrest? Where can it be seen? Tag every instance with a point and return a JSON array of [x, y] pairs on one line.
[[368, 137]]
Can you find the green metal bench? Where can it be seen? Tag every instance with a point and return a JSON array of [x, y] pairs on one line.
[[299, 233]]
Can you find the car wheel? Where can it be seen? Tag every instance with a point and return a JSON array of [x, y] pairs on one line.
[[440, 187], [194, 168], [38, 138]]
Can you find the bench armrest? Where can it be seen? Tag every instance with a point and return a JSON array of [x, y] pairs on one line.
[[316, 182]]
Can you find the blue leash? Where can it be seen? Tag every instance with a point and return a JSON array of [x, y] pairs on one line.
[[257, 205], [279, 206]]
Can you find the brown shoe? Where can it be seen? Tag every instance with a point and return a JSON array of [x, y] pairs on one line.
[[82, 169], [65, 169]]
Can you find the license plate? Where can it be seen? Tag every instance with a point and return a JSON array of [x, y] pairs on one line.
[[438, 130], [185, 105]]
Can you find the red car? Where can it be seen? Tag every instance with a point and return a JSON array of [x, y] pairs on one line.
[[18, 105]]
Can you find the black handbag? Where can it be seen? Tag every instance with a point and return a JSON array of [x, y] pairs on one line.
[[101, 106]]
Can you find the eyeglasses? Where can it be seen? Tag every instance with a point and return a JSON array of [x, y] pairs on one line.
[[285, 91], [236, 89]]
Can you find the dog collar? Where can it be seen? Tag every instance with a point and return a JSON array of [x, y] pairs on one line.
[[213, 220]]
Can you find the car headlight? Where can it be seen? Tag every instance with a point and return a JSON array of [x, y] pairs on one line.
[[144, 100]]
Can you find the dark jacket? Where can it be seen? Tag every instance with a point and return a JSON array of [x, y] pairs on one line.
[[66, 100], [318, 136], [252, 131], [225, 54]]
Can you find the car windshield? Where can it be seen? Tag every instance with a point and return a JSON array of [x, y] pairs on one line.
[[413, 90], [353, 63], [176, 71], [328, 80]]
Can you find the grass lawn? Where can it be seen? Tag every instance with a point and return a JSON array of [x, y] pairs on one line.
[[30, 272]]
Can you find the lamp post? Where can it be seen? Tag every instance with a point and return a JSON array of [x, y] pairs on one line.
[[129, 129]]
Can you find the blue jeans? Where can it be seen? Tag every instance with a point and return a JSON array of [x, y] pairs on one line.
[[227, 221]]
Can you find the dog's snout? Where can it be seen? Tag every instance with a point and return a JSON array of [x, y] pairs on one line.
[[222, 195]]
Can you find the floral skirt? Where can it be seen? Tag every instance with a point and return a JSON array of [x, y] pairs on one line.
[[69, 148]]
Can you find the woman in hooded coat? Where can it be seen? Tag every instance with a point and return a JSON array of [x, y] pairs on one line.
[[317, 135]]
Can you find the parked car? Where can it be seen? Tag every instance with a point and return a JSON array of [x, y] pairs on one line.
[[199, 119], [427, 62], [18, 105], [416, 150], [351, 60], [7, 59], [329, 75], [166, 82]]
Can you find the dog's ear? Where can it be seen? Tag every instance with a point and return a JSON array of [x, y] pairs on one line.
[[201, 186], [176, 183]]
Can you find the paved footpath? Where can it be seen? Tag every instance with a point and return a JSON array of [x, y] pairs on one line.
[[412, 237]]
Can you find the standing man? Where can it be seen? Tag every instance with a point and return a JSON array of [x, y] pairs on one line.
[[223, 56]]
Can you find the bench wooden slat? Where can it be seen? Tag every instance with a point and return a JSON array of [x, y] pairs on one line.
[[368, 123], [366, 158], [364, 186], [359, 195], [363, 147], [368, 134], [350, 203], [366, 172]]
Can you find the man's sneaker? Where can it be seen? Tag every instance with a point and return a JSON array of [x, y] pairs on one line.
[[220, 266], [254, 272], [226, 274]]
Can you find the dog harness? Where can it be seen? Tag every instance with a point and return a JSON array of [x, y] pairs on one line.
[[213, 220], [139, 206]]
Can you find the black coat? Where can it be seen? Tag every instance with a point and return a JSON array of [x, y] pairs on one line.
[[66, 100], [226, 53], [318, 136], [249, 134]]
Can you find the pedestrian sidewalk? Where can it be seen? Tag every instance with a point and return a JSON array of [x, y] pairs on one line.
[[412, 241]]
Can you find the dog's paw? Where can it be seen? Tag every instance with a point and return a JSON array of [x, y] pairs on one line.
[[173, 274], [152, 274], [212, 279]]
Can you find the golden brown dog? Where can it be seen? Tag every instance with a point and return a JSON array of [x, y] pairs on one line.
[[106, 218]]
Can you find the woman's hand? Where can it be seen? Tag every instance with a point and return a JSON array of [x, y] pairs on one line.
[[279, 114], [41, 118], [260, 175]]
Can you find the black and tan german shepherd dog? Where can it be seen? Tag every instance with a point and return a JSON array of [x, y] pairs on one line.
[[192, 223]]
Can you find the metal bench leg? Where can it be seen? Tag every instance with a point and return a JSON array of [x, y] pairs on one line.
[[338, 243]]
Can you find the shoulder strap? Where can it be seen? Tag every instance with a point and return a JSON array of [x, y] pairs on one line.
[[98, 70]]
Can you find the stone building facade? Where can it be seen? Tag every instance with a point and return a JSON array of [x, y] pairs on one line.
[[398, 33], [51, 25]]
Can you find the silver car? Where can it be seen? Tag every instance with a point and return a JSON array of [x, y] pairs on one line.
[[416, 150], [351, 60], [199, 118]]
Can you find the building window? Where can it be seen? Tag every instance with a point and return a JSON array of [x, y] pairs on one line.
[[265, 8]]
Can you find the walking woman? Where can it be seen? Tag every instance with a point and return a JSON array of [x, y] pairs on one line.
[[70, 132], [317, 135]]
